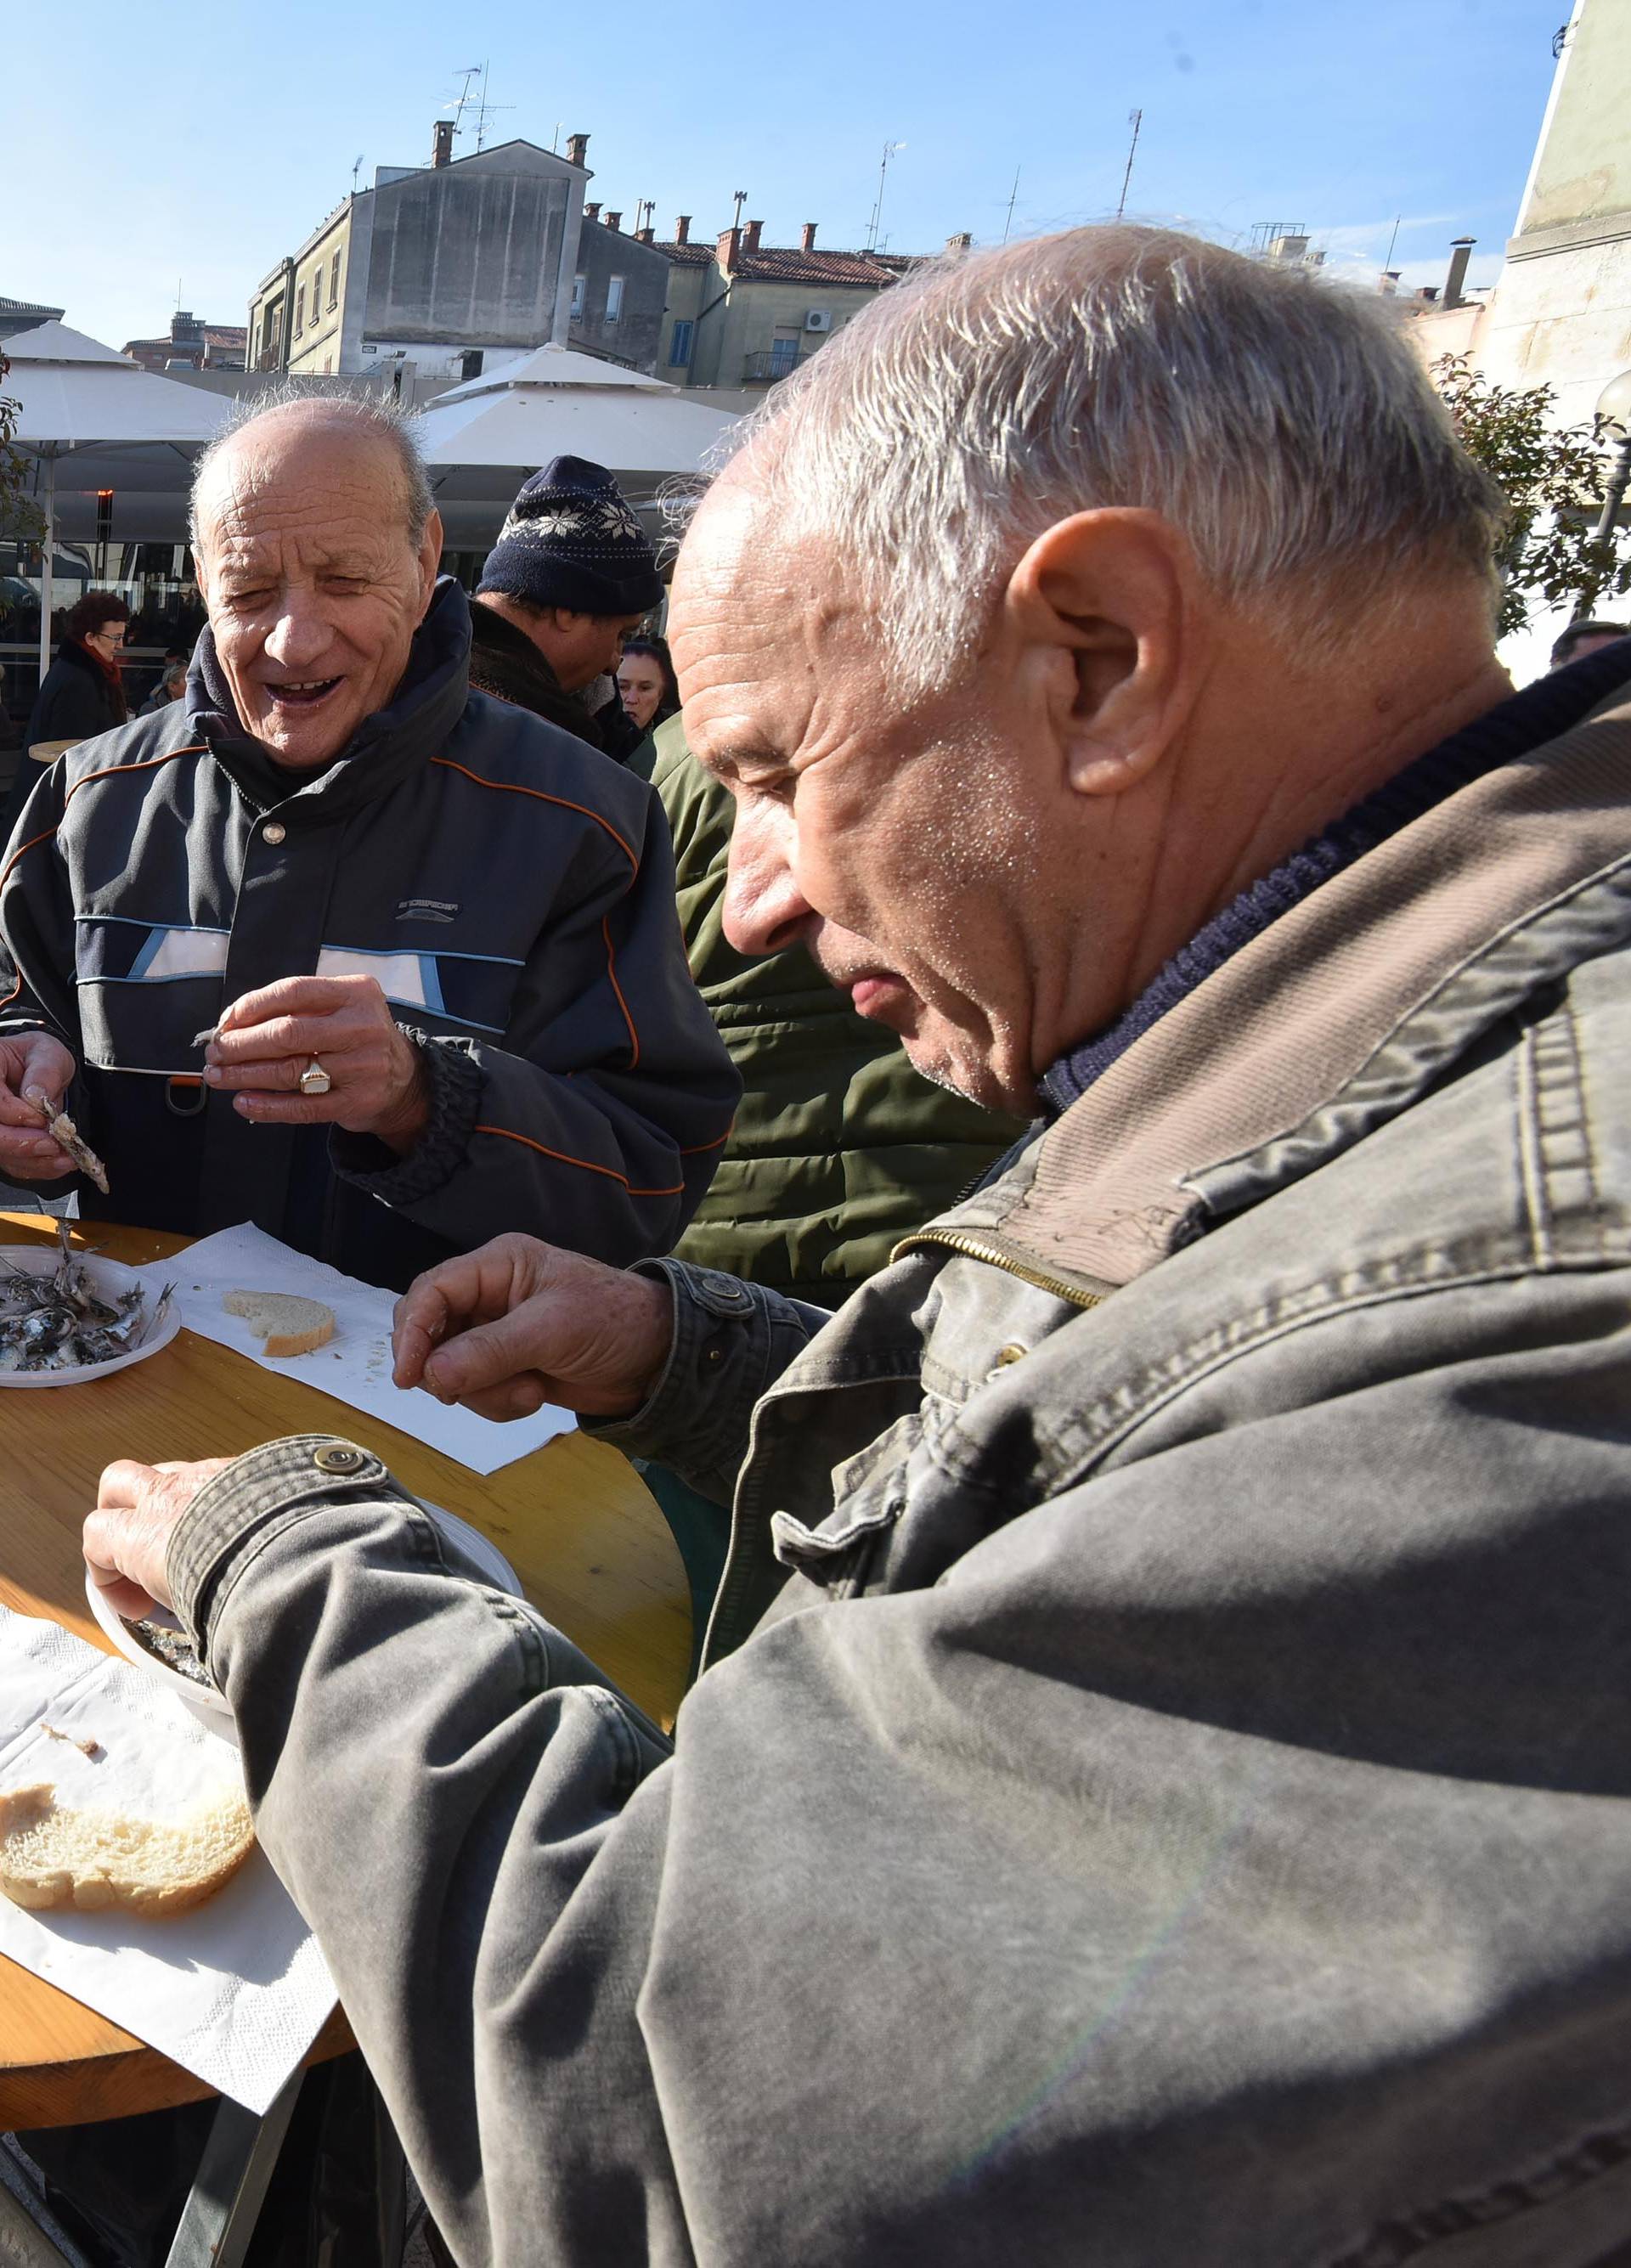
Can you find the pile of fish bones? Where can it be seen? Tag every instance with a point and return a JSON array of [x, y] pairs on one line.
[[61, 1322]]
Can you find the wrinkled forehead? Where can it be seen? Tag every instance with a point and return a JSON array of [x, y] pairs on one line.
[[285, 472], [757, 613]]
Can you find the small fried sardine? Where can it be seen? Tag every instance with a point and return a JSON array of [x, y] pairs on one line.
[[65, 1134]]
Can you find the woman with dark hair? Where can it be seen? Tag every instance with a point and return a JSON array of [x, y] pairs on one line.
[[81, 694], [647, 685]]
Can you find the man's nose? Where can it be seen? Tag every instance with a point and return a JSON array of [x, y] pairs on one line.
[[301, 632], [765, 910]]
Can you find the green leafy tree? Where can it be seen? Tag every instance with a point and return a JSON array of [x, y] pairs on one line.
[[1553, 477], [18, 516]]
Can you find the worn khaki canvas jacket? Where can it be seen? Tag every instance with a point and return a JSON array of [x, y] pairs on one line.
[[1162, 1789]]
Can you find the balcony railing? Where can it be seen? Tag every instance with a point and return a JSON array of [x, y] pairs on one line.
[[764, 367]]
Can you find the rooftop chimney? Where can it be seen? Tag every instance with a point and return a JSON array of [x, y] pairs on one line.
[[591, 212], [683, 229], [750, 236], [1389, 283], [577, 148], [730, 250], [1460, 253], [1428, 295], [646, 235], [614, 220], [963, 241], [441, 143], [807, 241]]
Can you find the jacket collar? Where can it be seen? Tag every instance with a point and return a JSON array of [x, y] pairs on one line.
[[1330, 1021], [1515, 726], [395, 741], [505, 662]]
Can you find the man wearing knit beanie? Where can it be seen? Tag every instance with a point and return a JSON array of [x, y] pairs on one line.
[[571, 574]]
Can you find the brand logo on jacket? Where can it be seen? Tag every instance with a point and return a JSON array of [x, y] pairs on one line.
[[433, 910]]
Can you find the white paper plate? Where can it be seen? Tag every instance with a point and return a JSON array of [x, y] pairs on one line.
[[486, 1554], [110, 1277]]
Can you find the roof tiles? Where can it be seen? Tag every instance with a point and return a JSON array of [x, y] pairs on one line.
[[788, 264]]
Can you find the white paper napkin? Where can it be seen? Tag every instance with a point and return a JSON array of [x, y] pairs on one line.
[[355, 1365], [236, 1989]]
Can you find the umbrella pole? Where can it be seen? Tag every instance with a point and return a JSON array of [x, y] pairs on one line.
[[45, 565]]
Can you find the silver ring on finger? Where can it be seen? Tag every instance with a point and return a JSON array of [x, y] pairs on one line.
[[314, 1079]]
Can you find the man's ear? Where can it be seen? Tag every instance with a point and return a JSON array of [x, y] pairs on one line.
[[1105, 607], [430, 559]]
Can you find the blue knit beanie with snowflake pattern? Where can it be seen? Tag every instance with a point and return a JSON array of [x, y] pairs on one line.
[[571, 541]]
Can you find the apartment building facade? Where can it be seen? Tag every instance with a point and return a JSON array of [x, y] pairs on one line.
[[742, 313], [458, 267]]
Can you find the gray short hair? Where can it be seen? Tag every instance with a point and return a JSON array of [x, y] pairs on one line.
[[1282, 423], [367, 415]]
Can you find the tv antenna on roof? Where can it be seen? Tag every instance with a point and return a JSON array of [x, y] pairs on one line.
[[479, 107], [1135, 119], [356, 169], [873, 226]]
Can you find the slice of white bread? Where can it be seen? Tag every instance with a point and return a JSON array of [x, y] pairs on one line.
[[50, 1856], [288, 1325]]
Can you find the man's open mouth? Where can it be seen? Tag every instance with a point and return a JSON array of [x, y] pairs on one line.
[[302, 693]]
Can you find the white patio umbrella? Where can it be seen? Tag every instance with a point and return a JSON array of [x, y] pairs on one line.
[[113, 423], [481, 438]]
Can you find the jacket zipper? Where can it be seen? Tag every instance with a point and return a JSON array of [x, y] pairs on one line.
[[973, 1247]]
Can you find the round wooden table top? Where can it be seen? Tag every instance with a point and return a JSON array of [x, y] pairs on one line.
[[592, 1552]]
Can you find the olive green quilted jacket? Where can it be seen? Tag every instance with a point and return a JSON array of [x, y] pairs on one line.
[[840, 1147]]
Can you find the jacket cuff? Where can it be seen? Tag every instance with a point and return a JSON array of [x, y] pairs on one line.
[[456, 1081], [258, 1496], [732, 1341]]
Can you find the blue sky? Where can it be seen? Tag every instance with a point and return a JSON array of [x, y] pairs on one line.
[[200, 143]]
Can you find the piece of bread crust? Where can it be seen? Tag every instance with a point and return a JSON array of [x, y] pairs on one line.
[[289, 1324], [50, 1856]]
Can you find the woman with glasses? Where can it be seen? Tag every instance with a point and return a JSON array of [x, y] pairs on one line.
[[81, 694]]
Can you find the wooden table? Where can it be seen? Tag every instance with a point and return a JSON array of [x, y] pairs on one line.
[[592, 1552]]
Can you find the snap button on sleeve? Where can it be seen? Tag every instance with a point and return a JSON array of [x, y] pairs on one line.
[[273, 832], [335, 1457]]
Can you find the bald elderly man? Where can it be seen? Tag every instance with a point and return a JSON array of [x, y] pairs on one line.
[[433, 936], [1159, 1791]]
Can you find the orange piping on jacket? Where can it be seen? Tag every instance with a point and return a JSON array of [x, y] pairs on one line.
[[588, 1166]]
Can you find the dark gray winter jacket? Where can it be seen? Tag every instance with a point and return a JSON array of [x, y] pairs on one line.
[[512, 890]]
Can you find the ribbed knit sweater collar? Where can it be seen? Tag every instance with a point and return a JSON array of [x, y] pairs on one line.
[[1526, 721]]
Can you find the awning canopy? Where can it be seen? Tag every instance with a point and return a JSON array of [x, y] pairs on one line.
[[482, 437], [78, 395], [95, 421]]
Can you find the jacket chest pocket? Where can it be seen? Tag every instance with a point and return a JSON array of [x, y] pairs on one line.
[[869, 1497], [441, 989], [145, 989], [837, 1554]]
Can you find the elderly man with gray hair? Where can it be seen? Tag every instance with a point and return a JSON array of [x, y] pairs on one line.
[[1160, 1787], [334, 943]]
